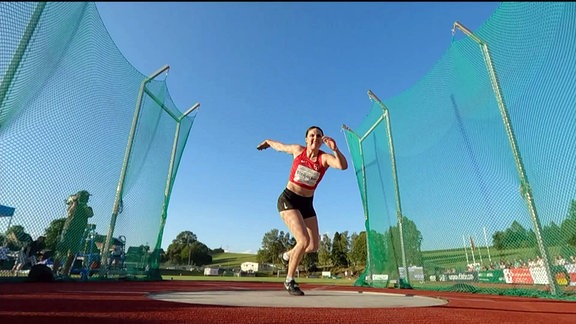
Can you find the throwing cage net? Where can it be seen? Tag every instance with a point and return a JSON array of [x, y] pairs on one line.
[[76, 116], [468, 177]]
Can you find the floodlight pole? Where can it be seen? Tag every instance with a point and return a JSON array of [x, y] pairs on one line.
[[525, 190], [127, 154]]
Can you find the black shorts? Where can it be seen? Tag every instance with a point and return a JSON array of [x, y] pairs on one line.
[[291, 200]]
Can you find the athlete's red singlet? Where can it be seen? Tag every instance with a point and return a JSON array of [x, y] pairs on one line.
[[307, 173]]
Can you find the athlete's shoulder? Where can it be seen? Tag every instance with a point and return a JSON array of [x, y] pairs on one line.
[[322, 157], [298, 149]]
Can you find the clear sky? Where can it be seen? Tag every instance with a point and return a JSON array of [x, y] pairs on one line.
[[270, 70]]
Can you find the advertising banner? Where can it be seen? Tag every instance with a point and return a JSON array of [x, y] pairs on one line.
[[493, 276]]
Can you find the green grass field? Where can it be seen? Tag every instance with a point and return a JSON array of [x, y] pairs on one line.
[[456, 258], [231, 260], [445, 259], [452, 258], [234, 260]]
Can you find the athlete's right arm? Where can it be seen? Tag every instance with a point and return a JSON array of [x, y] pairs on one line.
[[279, 146]]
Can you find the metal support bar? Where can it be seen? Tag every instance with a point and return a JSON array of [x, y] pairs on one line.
[[19, 53], [160, 103]]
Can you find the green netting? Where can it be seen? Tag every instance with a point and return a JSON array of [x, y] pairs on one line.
[[76, 115], [487, 188]]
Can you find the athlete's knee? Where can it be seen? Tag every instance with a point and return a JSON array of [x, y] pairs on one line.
[[303, 243], [313, 244], [312, 247]]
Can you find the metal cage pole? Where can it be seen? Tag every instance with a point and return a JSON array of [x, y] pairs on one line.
[[127, 154], [19, 53], [386, 115], [363, 167], [169, 180], [364, 193], [525, 189]]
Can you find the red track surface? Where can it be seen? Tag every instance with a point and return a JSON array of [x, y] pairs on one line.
[[127, 302]]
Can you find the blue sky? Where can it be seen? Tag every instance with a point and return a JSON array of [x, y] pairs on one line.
[[271, 70]]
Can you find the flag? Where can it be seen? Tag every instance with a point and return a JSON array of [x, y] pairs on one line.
[[472, 243], [6, 211]]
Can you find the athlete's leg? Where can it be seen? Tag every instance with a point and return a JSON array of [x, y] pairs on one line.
[[299, 230], [313, 233]]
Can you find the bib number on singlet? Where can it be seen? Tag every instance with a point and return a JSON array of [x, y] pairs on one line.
[[306, 176]]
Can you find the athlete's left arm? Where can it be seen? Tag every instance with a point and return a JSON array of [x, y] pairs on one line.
[[337, 159]]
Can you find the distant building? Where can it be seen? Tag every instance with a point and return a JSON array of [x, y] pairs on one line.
[[256, 267]]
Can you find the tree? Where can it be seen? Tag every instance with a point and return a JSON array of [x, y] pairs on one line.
[[197, 253], [358, 250], [185, 249], [217, 251], [382, 253], [309, 262], [325, 251], [498, 240], [340, 250], [173, 253], [552, 234], [53, 233], [163, 257], [568, 226], [188, 238], [515, 236], [17, 237], [412, 241], [274, 243]]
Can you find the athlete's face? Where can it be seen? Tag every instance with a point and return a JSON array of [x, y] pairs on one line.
[[314, 138]]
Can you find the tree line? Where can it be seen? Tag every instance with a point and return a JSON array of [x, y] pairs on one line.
[[342, 250], [564, 235]]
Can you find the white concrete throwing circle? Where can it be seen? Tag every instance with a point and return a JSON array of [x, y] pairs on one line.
[[312, 298]]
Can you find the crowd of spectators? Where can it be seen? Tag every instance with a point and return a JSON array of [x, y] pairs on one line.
[[520, 263]]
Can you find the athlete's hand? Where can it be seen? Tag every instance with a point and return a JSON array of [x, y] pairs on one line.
[[262, 146], [330, 142]]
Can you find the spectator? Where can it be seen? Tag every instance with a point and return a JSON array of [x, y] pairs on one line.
[[72, 237], [3, 255], [18, 240], [117, 254], [29, 254]]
